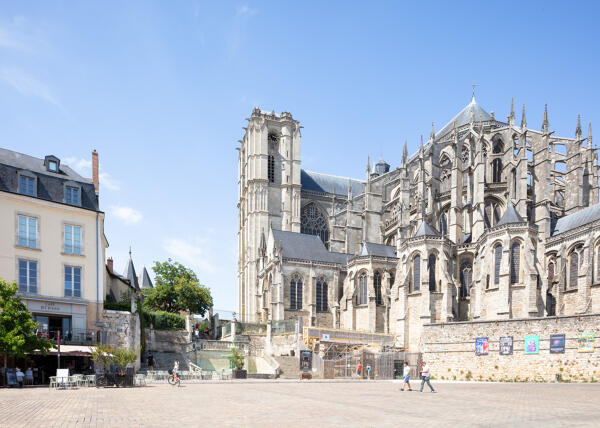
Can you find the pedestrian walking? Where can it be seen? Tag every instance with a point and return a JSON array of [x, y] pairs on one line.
[[358, 369], [150, 361], [425, 375], [406, 375], [20, 375]]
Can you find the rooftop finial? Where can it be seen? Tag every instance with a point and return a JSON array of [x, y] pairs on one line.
[[130, 251], [368, 165], [473, 85], [404, 153], [545, 124], [523, 120], [432, 134], [578, 129], [511, 116], [590, 135]]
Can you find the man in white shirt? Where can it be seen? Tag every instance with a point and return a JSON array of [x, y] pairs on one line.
[[20, 376], [406, 375], [425, 375]]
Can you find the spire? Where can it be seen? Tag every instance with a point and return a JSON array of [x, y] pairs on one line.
[[130, 252], [421, 149], [349, 190], [578, 129], [432, 134], [404, 153], [480, 125], [545, 124], [368, 165], [511, 116], [590, 136], [523, 120]]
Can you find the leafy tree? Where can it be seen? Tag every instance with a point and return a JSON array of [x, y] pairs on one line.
[[177, 289], [17, 326]]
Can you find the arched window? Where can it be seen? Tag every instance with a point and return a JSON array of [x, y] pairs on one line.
[[443, 225], [497, 261], [362, 289], [515, 262], [550, 274], [466, 275], [321, 295], [574, 266], [296, 292], [491, 214], [497, 170], [497, 147], [313, 222], [378, 289], [598, 264], [431, 267], [417, 273]]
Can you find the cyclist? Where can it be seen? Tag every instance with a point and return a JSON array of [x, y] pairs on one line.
[[175, 370]]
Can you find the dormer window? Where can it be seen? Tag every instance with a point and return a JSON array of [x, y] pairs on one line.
[[27, 183], [72, 194], [52, 163]]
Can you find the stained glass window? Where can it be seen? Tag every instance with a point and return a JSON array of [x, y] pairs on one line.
[[313, 222]]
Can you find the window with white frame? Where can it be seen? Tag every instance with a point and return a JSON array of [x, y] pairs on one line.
[[72, 281], [26, 185], [72, 239], [72, 195], [27, 231], [28, 271]]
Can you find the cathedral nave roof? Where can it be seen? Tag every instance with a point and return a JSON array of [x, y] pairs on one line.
[[326, 183]]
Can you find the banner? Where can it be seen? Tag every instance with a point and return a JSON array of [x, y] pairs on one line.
[[506, 345], [557, 343], [585, 343], [481, 345], [532, 344]]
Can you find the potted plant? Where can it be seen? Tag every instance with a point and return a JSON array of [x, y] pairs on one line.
[[237, 360]]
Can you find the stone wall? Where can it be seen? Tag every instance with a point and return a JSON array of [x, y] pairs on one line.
[[123, 331], [450, 350], [165, 340]]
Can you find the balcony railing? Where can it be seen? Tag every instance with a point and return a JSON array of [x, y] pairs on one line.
[[71, 337]]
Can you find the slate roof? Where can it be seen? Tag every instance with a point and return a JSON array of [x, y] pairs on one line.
[[572, 221], [308, 247], [327, 183], [464, 117], [131, 275], [510, 216], [50, 185], [146, 281], [380, 250], [425, 229]]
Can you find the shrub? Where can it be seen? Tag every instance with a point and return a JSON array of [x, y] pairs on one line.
[[237, 359], [469, 375], [164, 320], [111, 304]]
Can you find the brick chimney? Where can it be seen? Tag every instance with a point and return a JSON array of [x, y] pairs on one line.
[[95, 172], [109, 264]]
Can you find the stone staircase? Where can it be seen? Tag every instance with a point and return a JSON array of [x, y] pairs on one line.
[[288, 366]]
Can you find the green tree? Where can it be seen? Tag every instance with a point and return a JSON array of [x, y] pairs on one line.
[[177, 289], [17, 326]]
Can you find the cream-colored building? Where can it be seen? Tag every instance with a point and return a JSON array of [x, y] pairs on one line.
[[52, 242]]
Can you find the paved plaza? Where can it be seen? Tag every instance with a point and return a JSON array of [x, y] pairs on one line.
[[293, 404]]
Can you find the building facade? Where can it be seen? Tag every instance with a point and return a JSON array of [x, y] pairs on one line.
[[53, 241], [488, 220]]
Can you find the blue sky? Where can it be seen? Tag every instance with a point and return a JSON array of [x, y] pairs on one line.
[[161, 90]]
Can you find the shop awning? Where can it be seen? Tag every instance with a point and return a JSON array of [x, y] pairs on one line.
[[72, 350]]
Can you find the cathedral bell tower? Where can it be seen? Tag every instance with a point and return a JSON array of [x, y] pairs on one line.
[[269, 194]]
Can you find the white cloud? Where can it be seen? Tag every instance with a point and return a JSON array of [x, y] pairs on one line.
[[190, 252], [245, 11], [127, 214], [28, 85], [79, 164], [107, 181]]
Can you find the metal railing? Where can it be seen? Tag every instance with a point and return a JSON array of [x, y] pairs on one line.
[[71, 337], [283, 326]]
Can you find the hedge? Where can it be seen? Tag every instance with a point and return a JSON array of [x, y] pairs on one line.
[[164, 320]]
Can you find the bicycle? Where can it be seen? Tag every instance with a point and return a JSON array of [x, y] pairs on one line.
[[171, 380]]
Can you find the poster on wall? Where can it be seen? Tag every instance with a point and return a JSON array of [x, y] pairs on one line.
[[557, 343], [481, 345], [506, 345], [532, 344], [585, 342]]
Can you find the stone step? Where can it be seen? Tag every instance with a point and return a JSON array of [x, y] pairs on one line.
[[288, 366]]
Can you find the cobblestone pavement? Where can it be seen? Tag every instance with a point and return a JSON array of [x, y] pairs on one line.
[[293, 404]]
